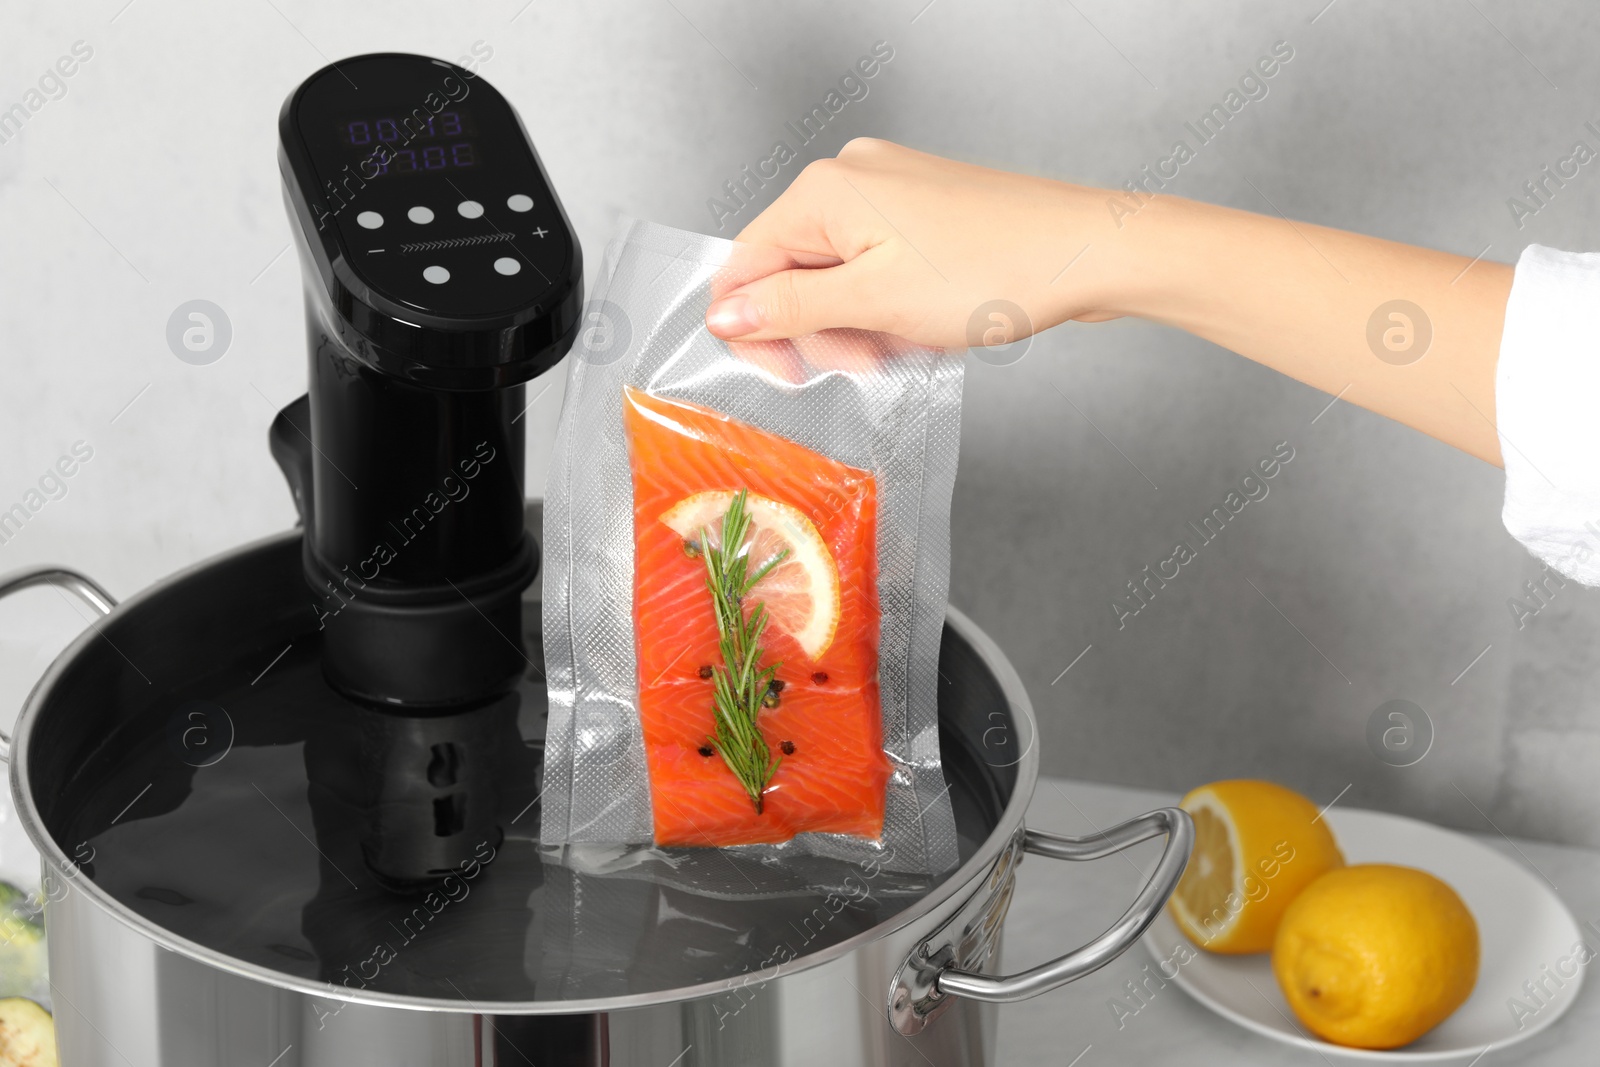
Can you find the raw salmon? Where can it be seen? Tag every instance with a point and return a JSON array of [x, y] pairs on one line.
[[827, 723]]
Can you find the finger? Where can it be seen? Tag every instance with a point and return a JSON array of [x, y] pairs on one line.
[[747, 263], [794, 302], [821, 213], [899, 346], [796, 220]]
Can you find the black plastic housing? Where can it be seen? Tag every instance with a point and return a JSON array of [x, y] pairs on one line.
[[432, 295], [434, 342]]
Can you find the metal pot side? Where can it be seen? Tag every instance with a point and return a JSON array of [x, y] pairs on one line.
[[128, 992]]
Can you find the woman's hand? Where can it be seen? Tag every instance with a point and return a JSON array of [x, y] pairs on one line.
[[923, 245]]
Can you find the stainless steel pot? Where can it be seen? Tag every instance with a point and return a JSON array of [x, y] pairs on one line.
[[916, 989]]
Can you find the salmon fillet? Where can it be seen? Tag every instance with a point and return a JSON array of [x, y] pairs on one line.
[[828, 724]]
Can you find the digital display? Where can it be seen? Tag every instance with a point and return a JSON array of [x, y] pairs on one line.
[[483, 236], [411, 144]]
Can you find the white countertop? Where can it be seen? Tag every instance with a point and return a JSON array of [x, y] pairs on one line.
[[1060, 905]]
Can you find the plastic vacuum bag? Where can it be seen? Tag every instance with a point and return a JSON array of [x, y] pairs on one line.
[[831, 460]]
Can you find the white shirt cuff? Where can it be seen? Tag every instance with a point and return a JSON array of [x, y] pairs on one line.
[[1547, 388]]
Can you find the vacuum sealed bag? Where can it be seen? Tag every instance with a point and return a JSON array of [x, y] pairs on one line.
[[745, 572]]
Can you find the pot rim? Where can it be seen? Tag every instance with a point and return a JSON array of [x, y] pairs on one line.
[[52, 856]]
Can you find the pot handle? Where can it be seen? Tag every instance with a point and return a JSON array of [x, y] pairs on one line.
[[930, 976], [1173, 822], [86, 589]]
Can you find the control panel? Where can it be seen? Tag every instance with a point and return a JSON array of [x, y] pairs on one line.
[[419, 175]]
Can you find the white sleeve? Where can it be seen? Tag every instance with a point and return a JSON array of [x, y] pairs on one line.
[[1547, 409]]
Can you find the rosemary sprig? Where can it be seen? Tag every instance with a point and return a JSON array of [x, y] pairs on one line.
[[741, 684]]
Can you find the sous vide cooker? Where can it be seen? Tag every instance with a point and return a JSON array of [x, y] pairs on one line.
[[287, 799]]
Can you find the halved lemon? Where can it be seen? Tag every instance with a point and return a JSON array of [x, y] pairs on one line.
[[1256, 845], [802, 592]]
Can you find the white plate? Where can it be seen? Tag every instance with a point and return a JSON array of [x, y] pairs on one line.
[[1525, 931]]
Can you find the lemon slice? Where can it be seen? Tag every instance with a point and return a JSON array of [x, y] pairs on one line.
[[1256, 845], [802, 592]]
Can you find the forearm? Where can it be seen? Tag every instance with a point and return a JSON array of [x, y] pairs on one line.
[[927, 247], [1299, 298]]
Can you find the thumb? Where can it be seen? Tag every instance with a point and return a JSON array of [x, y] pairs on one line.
[[790, 303]]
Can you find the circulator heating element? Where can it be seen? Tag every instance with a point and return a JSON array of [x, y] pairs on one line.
[[440, 275]]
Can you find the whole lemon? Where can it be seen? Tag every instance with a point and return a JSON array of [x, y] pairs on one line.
[[1375, 956], [1256, 845]]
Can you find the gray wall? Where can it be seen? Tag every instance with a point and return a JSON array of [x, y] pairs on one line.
[[1378, 562]]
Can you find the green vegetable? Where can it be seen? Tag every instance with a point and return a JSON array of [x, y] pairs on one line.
[[21, 920], [23, 966]]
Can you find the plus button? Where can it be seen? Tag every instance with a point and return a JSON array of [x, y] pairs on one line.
[[540, 231]]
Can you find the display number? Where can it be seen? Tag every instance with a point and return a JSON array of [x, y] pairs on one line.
[[388, 130], [407, 160]]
